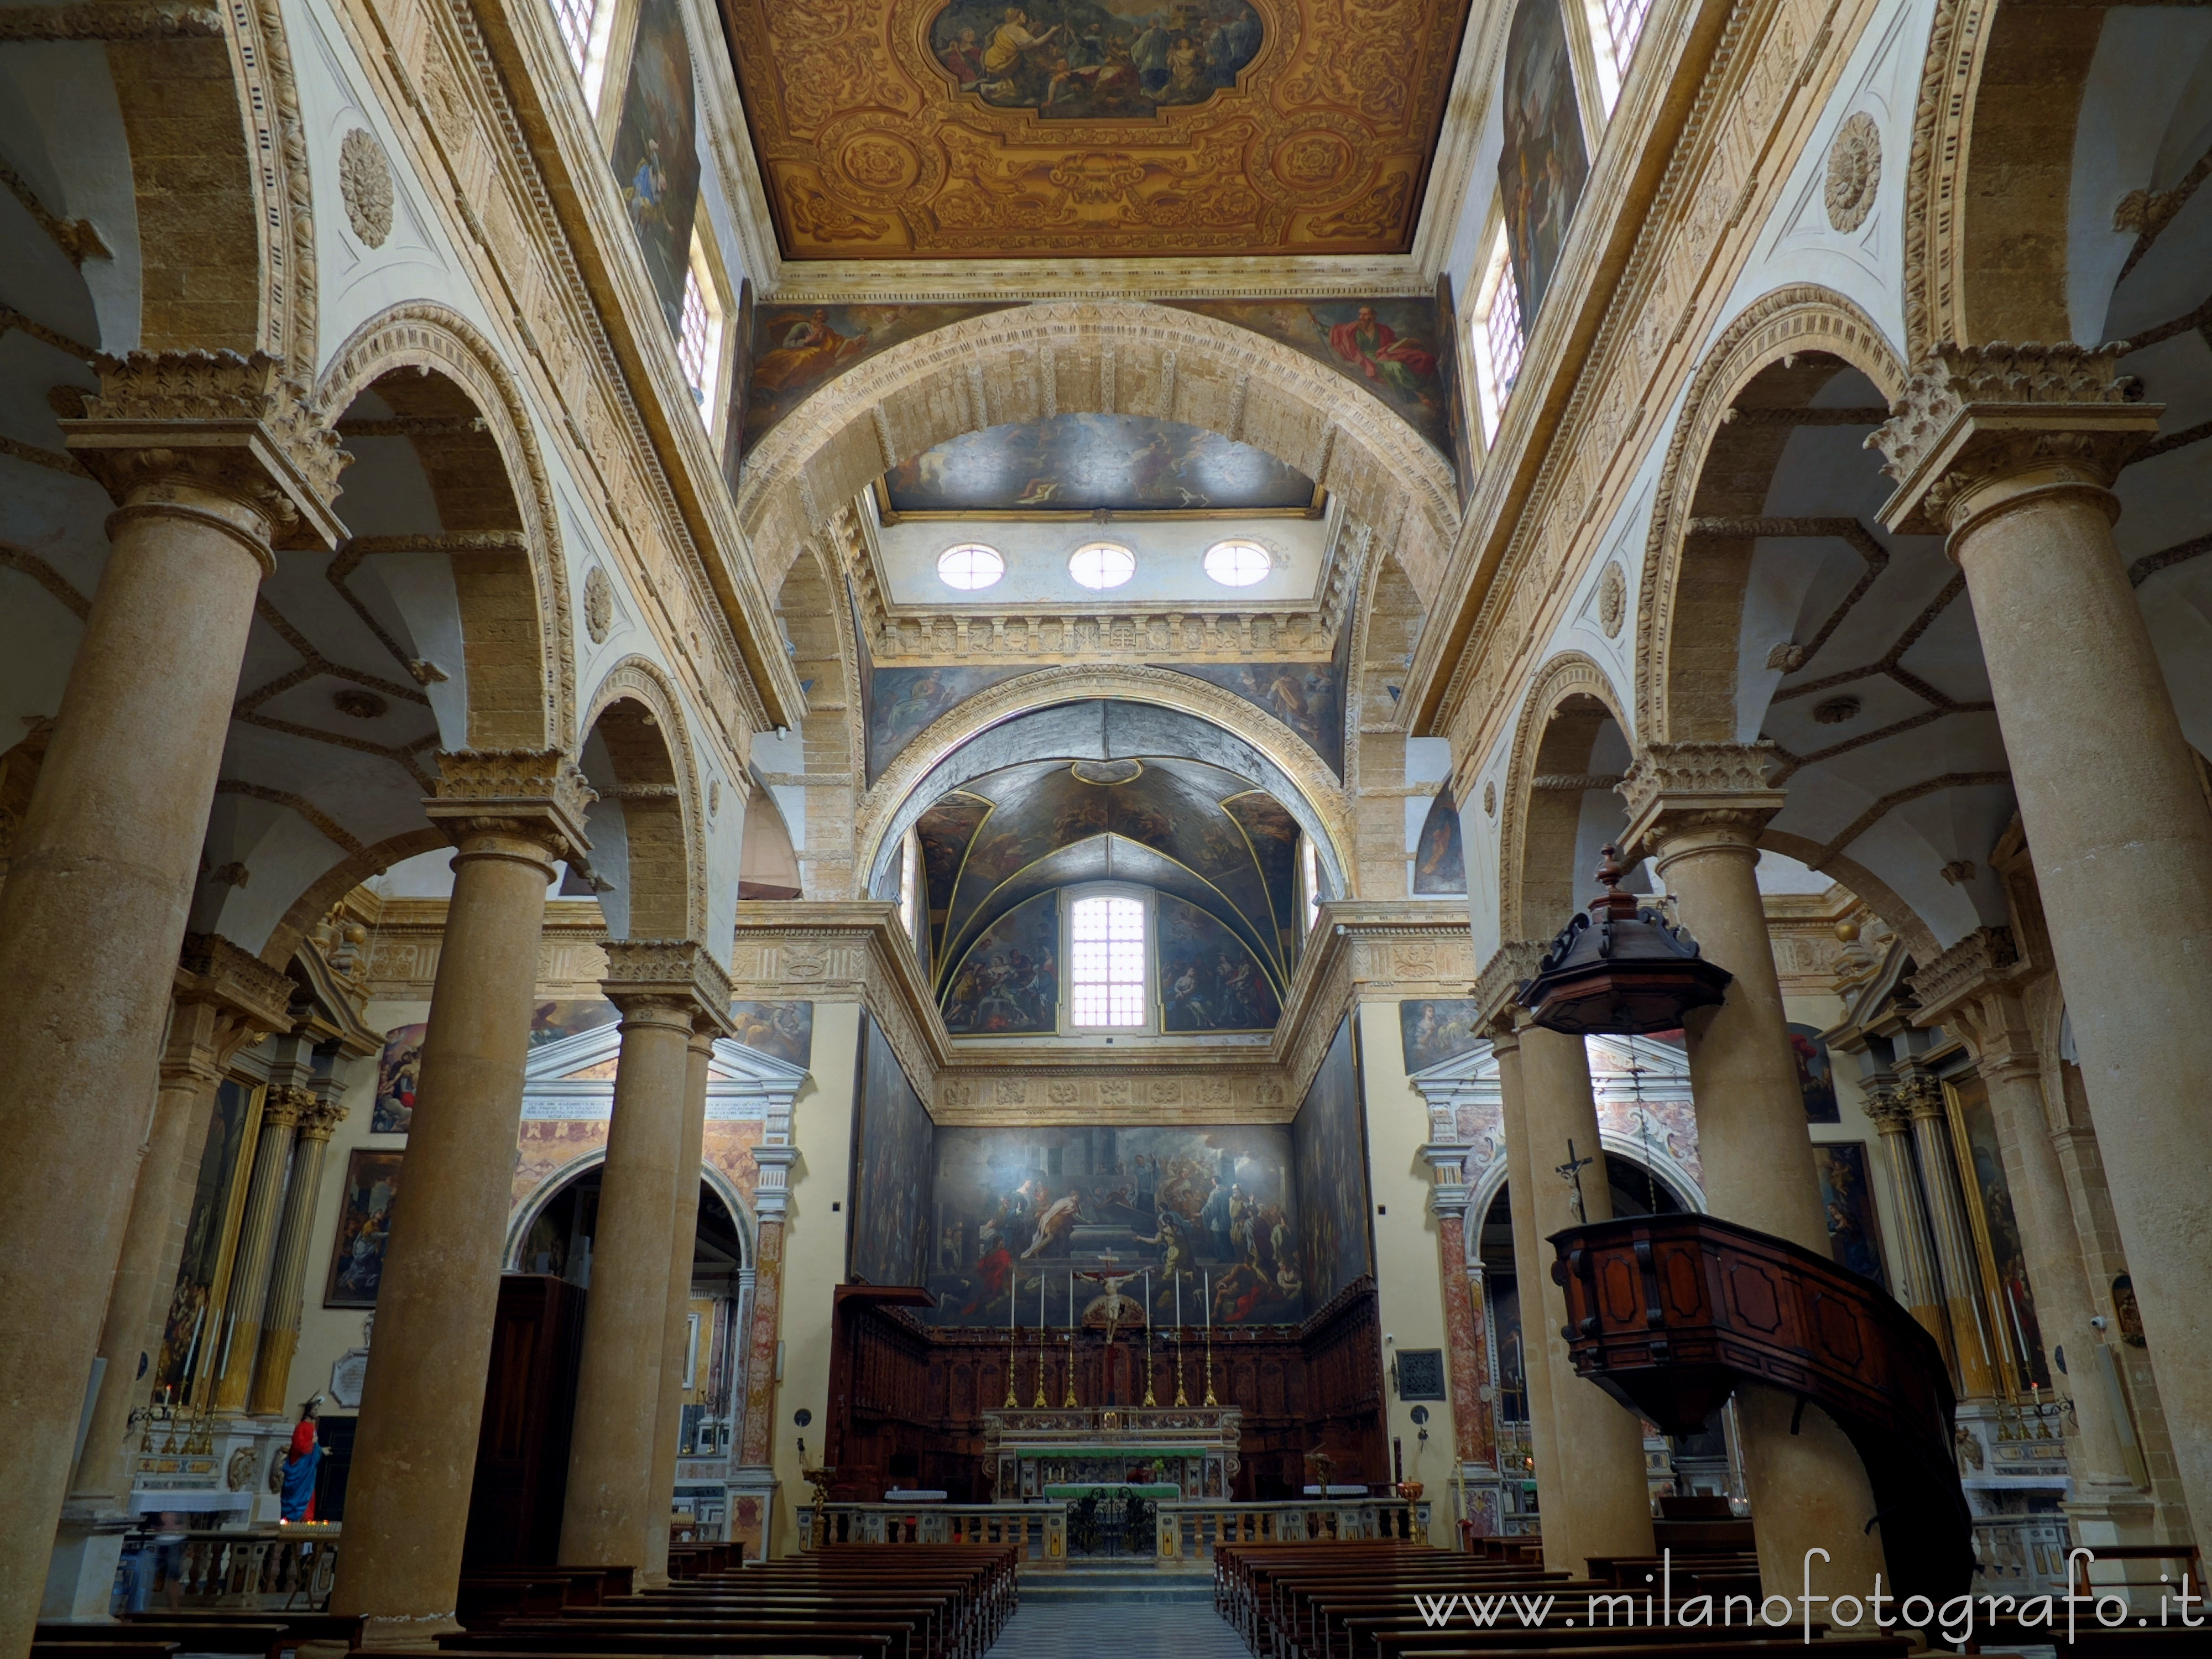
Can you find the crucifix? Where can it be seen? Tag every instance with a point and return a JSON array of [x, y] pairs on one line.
[[1111, 1283], [1572, 1170]]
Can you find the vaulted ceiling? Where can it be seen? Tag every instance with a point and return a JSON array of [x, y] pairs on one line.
[[902, 129]]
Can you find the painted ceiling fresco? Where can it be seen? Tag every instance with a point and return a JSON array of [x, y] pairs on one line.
[[993, 847], [951, 128], [794, 351], [1077, 463]]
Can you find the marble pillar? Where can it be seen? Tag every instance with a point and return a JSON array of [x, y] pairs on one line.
[[1697, 808], [2011, 452], [227, 999], [682, 1242], [1974, 1343], [1919, 1287], [247, 1293], [511, 815], [288, 1276], [103, 868], [1604, 1501]]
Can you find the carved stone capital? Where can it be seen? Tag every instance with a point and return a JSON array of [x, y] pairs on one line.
[[1499, 982], [1707, 792], [1888, 1112], [1976, 964], [164, 424], [285, 1105], [538, 794], [1974, 418], [1920, 1096], [678, 973], [319, 1120]]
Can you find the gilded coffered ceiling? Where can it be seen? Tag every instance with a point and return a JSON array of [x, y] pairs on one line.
[[955, 129]]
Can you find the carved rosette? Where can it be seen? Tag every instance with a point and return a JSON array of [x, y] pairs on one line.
[[538, 794], [679, 974], [1973, 418], [365, 187], [230, 424], [1680, 793]]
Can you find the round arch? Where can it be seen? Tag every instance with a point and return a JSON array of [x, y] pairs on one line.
[[509, 570], [1280, 760], [1685, 637], [1670, 1172], [1568, 679], [639, 718], [541, 1198], [1034, 361]]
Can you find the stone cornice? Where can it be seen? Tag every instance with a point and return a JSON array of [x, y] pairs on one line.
[[1736, 92], [1985, 959], [1510, 966], [855, 952], [211, 969], [1976, 415]]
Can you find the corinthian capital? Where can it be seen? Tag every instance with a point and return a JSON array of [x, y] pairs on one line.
[[536, 793], [1975, 417], [1712, 790], [229, 423], [1501, 977], [679, 972]]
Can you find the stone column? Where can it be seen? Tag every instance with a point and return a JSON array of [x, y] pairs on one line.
[[1973, 987], [682, 1240], [1531, 1266], [614, 1457], [755, 1472], [287, 1278], [2011, 453], [227, 999], [1605, 1498], [1919, 1287], [248, 1290], [1975, 1345], [212, 461], [511, 814], [1697, 809]]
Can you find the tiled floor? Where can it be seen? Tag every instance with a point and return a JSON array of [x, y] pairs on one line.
[[1112, 1630]]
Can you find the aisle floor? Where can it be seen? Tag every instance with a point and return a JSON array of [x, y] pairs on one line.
[[1110, 1631]]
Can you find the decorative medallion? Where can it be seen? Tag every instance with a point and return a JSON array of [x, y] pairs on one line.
[[365, 186], [713, 796], [362, 705], [1107, 771], [1836, 710], [1612, 599], [598, 604], [1490, 800], [1853, 171]]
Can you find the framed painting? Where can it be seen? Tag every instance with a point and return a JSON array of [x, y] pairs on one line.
[[1997, 1240], [1459, 428], [1328, 1139], [365, 1209], [893, 1169], [210, 1235], [1816, 1074], [785, 1030], [1854, 1235], [1439, 854], [1543, 162], [1436, 1029], [656, 152], [399, 1071]]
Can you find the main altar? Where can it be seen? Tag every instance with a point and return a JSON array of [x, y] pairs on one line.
[[1189, 1448]]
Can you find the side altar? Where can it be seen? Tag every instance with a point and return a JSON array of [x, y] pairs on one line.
[[1192, 1449]]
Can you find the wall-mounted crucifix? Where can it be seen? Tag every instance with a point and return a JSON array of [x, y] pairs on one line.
[[1571, 1172]]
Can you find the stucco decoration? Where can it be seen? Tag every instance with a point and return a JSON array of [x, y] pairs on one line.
[[598, 604], [1611, 599], [365, 185], [1853, 171]]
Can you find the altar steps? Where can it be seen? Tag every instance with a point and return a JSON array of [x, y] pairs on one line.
[[1126, 1582]]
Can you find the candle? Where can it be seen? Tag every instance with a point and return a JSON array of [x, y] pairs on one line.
[[1040, 1306], [1178, 1305], [1071, 1298], [1209, 1301]]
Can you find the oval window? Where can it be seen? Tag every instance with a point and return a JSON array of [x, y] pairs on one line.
[[1238, 563], [969, 565], [1102, 564]]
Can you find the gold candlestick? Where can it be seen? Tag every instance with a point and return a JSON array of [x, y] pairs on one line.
[[1042, 1403], [1210, 1400], [1181, 1398], [1013, 1359], [1070, 1402], [1149, 1400]]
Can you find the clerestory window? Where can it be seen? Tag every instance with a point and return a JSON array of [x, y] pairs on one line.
[[1106, 961]]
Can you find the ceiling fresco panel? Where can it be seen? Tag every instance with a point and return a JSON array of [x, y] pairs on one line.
[[796, 350], [952, 129]]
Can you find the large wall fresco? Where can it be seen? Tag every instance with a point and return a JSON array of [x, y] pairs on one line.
[[1397, 348], [1007, 984], [1329, 1141], [1079, 463], [1022, 1212], [797, 350], [1254, 127], [891, 1164], [1439, 853], [1306, 697], [1541, 168], [656, 156], [1208, 978], [1436, 1029]]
